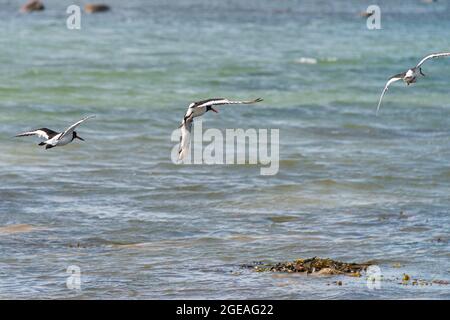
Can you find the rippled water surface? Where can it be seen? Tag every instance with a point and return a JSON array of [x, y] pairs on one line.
[[351, 186]]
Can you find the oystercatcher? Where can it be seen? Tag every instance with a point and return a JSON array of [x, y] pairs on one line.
[[197, 109], [55, 139], [411, 75]]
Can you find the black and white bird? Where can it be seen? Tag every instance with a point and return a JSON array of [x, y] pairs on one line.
[[197, 109], [411, 75], [55, 139]]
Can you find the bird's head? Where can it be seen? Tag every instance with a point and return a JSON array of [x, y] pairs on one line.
[[210, 108], [74, 135]]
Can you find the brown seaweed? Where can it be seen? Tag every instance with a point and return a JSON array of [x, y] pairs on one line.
[[314, 266]]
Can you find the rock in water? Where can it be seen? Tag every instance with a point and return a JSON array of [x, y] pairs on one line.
[[366, 14], [32, 5], [17, 228], [316, 266], [94, 8]]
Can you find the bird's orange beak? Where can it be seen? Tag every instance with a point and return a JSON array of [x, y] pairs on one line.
[[212, 109]]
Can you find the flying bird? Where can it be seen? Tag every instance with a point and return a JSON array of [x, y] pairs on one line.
[[411, 75], [55, 139], [197, 109]]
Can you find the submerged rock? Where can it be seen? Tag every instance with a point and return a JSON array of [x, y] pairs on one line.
[[314, 265], [17, 228], [366, 14], [94, 8], [32, 5], [319, 266]]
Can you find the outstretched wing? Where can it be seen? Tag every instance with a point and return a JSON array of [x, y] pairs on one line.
[[221, 101], [386, 87], [185, 138], [431, 56], [72, 128], [42, 133]]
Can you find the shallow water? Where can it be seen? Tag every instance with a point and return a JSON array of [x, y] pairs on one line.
[[139, 226]]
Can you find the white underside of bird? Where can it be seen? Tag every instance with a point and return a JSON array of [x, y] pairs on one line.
[[59, 141], [411, 75], [198, 109]]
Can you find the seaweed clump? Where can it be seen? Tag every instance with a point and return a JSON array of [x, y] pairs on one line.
[[314, 266]]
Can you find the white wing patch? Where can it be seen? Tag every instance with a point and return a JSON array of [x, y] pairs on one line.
[[43, 134], [386, 87], [72, 128], [431, 56], [217, 102], [185, 139]]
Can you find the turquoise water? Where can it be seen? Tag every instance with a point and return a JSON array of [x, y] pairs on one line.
[[139, 226]]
